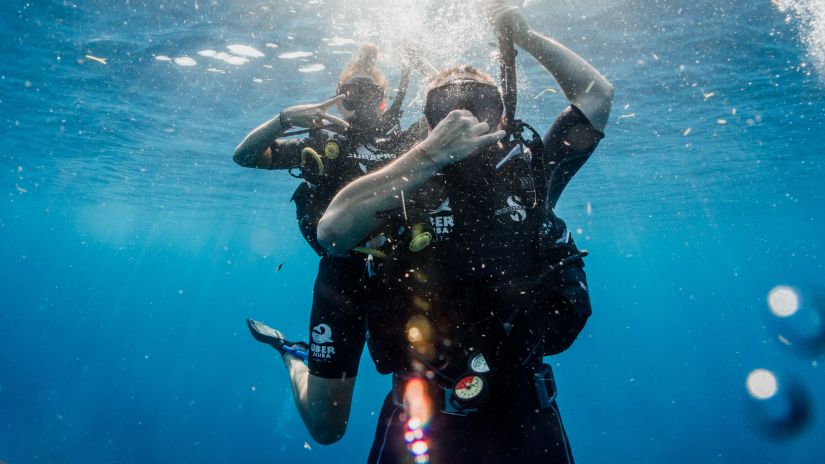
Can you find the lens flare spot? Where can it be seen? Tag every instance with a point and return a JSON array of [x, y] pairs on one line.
[[414, 335], [417, 404], [421, 303], [783, 301], [419, 447], [762, 384], [415, 423]]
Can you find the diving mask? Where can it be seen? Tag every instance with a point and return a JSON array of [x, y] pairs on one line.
[[360, 93], [483, 100]]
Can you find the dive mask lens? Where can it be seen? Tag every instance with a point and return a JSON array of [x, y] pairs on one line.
[[359, 93], [483, 100]]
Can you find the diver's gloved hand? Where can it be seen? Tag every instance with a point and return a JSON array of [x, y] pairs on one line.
[[274, 338], [312, 115], [508, 20]]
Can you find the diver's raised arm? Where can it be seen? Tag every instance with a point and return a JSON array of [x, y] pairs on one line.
[[255, 150], [416, 59], [351, 215], [581, 83]]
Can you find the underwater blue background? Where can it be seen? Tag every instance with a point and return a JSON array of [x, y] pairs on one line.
[[132, 247]]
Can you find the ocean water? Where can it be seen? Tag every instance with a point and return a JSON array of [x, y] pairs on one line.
[[132, 247]]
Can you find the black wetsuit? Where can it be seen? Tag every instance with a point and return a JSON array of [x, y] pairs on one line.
[[337, 321], [470, 290]]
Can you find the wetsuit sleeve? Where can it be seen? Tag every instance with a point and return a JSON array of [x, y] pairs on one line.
[[338, 319], [287, 153], [401, 141], [567, 146]]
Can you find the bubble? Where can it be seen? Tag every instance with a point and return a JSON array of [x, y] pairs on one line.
[[340, 42], [294, 55], [312, 68], [762, 384], [783, 301], [810, 19], [245, 51], [185, 61]]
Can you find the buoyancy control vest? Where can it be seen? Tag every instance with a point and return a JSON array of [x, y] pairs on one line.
[[483, 290], [329, 161]]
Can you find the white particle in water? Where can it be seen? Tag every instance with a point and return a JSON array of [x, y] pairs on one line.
[[163, 58], [207, 53]]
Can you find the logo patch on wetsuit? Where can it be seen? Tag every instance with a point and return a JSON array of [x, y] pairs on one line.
[[441, 220], [364, 154], [321, 335], [514, 207]]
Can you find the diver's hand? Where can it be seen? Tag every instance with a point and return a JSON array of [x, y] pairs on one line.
[[313, 115], [414, 57], [458, 136], [508, 20]]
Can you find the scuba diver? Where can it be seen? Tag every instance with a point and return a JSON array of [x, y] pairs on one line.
[[365, 137], [480, 279]]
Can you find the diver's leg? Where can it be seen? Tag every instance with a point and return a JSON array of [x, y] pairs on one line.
[[322, 387], [389, 435]]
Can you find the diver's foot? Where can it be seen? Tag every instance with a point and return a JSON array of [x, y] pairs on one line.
[[274, 338]]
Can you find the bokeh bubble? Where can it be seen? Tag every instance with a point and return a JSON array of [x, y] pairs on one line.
[[761, 384], [778, 407], [798, 318]]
